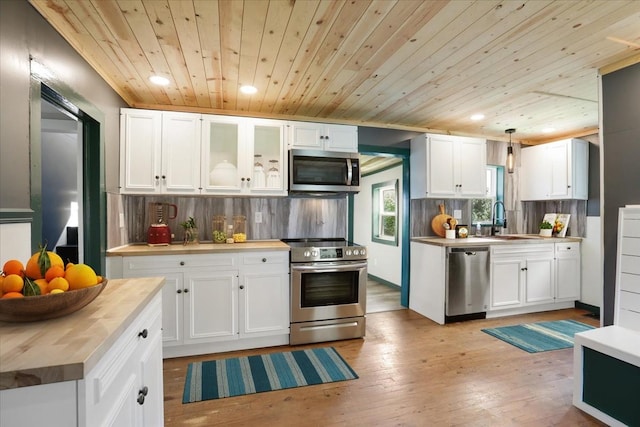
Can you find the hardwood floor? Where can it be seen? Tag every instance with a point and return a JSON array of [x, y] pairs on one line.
[[412, 372], [382, 298]]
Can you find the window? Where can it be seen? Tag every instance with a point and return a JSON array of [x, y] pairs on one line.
[[481, 208], [385, 213]]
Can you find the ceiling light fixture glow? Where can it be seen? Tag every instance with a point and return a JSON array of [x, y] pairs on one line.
[[477, 117], [548, 130], [249, 90], [159, 80]]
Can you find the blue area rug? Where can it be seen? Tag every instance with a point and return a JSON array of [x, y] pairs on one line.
[[237, 376], [541, 336]]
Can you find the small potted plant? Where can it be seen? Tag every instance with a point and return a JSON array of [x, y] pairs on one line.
[[546, 228], [190, 230]]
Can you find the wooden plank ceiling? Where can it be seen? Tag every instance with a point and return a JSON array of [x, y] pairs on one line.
[[406, 64]]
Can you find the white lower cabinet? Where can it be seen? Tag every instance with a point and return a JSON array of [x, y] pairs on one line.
[[528, 277], [126, 387], [568, 268], [219, 302]]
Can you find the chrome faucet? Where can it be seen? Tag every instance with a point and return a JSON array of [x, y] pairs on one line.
[[493, 217]]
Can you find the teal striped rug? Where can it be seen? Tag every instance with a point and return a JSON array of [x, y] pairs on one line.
[[541, 336], [216, 379]]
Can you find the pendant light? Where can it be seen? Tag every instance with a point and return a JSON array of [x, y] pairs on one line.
[[510, 159]]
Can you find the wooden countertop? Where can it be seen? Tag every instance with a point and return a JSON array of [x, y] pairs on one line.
[[198, 248], [511, 239], [67, 348]]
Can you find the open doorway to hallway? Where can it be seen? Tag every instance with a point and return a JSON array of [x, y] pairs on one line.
[[380, 221], [61, 180]]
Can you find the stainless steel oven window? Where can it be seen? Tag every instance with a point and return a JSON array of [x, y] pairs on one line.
[[329, 288]]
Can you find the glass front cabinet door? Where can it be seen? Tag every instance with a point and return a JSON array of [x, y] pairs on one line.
[[243, 156]]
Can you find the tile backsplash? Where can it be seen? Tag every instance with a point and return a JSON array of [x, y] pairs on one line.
[[282, 217]]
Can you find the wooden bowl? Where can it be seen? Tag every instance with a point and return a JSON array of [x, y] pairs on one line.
[[50, 306]]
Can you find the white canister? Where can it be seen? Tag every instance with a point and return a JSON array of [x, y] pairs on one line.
[[450, 234]]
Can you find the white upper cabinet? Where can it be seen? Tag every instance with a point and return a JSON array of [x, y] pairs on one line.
[[557, 170], [448, 166], [243, 156], [319, 136], [159, 152]]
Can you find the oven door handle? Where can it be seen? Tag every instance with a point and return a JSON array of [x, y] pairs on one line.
[[330, 269]]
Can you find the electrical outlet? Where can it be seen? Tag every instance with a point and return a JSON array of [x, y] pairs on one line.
[[258, 218], [457, 214]]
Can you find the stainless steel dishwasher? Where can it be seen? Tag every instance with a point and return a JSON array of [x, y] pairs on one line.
[[467, 283]]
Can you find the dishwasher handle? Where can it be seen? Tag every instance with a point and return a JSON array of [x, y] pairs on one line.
[[468, 250]]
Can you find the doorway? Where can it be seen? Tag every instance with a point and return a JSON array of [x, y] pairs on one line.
[[61, 182], [389, 258], [67, 184]]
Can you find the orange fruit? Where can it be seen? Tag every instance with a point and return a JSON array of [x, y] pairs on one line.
[[81, 276], [12, 295], [58, 283], [43, 285], [53, 272], [69, 265], [56, 291], [13, 266], [99, 279], [33, 267], [1, 281], [12, 283]]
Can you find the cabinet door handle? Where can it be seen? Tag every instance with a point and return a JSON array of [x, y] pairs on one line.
[[264, 260], [241, 286], [157, 177], [179, 291], [164, 177], [181, 262], [524, 269], [144, 333], [144, 391], [186, 291], [140, 399]]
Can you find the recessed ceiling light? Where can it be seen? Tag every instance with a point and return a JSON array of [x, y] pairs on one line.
[[249, 90], [477, 117], [159, 80], [548, 130]]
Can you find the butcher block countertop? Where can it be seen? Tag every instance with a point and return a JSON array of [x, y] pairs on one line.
[[67, 348], [509, 239], [198, 248]]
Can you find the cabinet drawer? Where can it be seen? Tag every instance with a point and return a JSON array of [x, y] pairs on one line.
[[173, 262], [566, 249], [266, 258], [517, 251]]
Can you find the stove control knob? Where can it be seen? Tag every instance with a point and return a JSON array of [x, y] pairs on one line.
[[306, 254], [314, 253], [348, 252], [363, 252]]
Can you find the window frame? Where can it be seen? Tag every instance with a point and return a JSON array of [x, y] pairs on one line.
[[494, 192], [378, 214]]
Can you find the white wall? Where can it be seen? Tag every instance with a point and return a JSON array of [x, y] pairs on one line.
[[385, 261], [15, 242]]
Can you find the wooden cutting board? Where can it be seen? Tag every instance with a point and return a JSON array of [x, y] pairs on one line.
[[439, 220]]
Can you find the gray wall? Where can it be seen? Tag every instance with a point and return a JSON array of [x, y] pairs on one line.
[[24, 33], [621, 155]]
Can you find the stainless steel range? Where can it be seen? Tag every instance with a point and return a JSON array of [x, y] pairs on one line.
[[328, 290]]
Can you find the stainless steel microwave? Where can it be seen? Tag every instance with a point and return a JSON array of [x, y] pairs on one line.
[[313, 171]]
